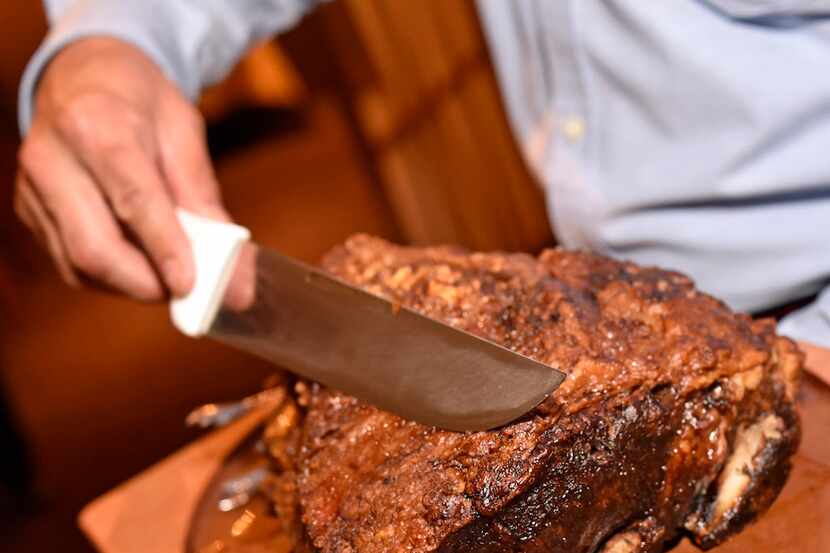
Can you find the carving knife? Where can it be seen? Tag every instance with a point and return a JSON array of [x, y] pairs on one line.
[[348, 339]]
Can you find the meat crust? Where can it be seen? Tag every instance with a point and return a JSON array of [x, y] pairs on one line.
[[677, 415]]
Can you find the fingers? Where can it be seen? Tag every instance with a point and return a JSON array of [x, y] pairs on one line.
[[185, 160], [241, 290], [66, 207], [30, 210], [109, 206], [116, 143]]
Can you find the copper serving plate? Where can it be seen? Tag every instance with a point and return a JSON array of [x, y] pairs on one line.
[[249, 529], [171, 507]]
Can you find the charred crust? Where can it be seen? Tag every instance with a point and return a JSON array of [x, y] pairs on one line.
[[662, 381]]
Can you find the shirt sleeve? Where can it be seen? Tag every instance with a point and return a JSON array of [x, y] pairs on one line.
[[810, 323], [195, 42], [774, 11]]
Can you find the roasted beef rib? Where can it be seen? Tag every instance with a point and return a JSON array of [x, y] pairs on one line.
[[677, 416]]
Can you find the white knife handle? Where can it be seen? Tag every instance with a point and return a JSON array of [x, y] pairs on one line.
[[215, 245]]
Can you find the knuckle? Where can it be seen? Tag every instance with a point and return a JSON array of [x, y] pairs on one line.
[[100, 122], [75, 117], [195, 121], [184, 111], [87, 254], [70, 279], [113, 150], [19, 206], [129, 201], [32, 152], [184, 135], [22, 214]]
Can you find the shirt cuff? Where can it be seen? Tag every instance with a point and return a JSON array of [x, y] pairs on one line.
[[150, 25], [810, 323]]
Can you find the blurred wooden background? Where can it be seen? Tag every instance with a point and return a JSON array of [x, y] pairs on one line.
[[373, 116]]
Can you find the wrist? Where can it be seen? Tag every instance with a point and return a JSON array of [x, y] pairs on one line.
[[145, 26]]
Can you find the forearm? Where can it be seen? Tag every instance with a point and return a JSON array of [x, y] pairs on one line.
[[195, 42]]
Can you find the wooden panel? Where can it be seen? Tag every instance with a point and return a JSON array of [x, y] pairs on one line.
[[483, 105], [468, 177], [413, 187], [264, 78], [428, 106], [396, 88], [416, 51]]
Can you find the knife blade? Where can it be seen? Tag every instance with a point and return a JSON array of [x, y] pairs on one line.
[[382, 353]]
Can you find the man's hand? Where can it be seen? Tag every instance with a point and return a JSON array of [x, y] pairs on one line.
[[818, 360], [113, 148]]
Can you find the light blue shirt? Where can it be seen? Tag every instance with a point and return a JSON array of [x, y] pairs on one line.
[[689, 134]]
